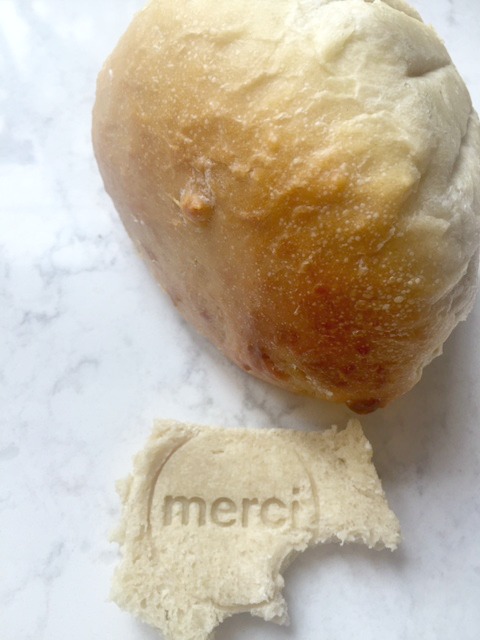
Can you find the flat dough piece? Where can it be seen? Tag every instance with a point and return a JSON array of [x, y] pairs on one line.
[[211, 517]]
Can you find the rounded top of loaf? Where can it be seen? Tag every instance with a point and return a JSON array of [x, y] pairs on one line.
[[326, 149]]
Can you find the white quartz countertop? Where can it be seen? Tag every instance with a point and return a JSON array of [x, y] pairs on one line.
[[91, 352]]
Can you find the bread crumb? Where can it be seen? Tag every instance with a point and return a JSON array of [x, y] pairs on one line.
[[211, 516]]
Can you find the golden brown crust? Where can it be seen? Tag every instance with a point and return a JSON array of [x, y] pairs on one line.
[[291, 183]]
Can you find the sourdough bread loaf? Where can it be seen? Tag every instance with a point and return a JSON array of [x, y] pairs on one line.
[[303, 179]]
